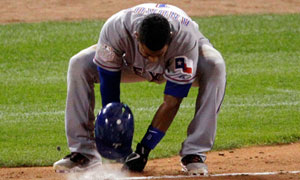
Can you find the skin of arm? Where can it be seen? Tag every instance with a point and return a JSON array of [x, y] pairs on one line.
[[166, 112]]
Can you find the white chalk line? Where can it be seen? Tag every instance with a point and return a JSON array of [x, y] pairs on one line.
[[284, 90], [26, 114], [212, 175], [152, 109], [295, 103], [264, 105]]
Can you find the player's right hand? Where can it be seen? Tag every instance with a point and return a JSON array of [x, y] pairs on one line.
[[137, 160]]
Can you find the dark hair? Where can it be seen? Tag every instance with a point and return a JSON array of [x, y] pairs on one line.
[[154, 32]]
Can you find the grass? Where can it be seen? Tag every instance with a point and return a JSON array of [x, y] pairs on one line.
[[261, 105]]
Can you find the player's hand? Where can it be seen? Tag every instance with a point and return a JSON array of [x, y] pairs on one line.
[[137, 160]]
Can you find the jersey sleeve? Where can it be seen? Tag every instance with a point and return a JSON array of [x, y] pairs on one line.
[[182, 69], [110, 47]]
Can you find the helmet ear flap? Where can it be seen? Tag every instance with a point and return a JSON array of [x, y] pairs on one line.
[[114, 128]]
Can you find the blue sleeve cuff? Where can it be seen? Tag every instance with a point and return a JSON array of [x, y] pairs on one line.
[[109, 86], [177, 90]]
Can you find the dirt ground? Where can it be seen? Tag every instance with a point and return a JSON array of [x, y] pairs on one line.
[[44, 10], [280, 158]]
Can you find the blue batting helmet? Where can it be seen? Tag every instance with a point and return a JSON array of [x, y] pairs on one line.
[[114, 131]]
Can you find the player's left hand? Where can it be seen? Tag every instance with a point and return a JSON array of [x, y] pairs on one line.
[[137, 160]]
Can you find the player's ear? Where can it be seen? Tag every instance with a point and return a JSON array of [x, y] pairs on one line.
[[171, 36], [136, 35]]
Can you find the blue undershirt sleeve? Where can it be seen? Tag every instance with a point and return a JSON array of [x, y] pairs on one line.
[[109, 86], [177, 90]]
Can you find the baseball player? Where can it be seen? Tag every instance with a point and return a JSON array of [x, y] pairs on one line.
[[153, 42]]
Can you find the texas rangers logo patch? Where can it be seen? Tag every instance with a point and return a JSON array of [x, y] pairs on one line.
[[185, 64]]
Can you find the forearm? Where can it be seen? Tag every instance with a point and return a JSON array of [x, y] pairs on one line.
[[160, 123], [166, 113]]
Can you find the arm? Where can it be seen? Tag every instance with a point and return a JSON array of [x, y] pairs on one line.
[[174, 93], [160, 123], [109, 86], [166, 112]]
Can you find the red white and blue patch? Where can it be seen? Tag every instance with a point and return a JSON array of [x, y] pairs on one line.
[[181, 71], [185, 64]]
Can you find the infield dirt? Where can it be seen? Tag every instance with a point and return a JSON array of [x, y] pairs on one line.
[[278, 158]]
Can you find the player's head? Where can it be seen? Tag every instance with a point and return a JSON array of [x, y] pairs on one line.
[[154, 35], [154, 32], [114, 129]]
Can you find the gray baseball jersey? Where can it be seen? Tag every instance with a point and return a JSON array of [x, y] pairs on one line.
[[117, 49], [117, 46]]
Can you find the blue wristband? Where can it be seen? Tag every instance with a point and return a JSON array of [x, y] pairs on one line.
[[152, 137]]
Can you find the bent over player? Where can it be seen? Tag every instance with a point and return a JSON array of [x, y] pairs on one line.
[[153, 42]]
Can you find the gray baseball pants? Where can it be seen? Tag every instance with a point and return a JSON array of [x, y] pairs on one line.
[[79, 117]]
